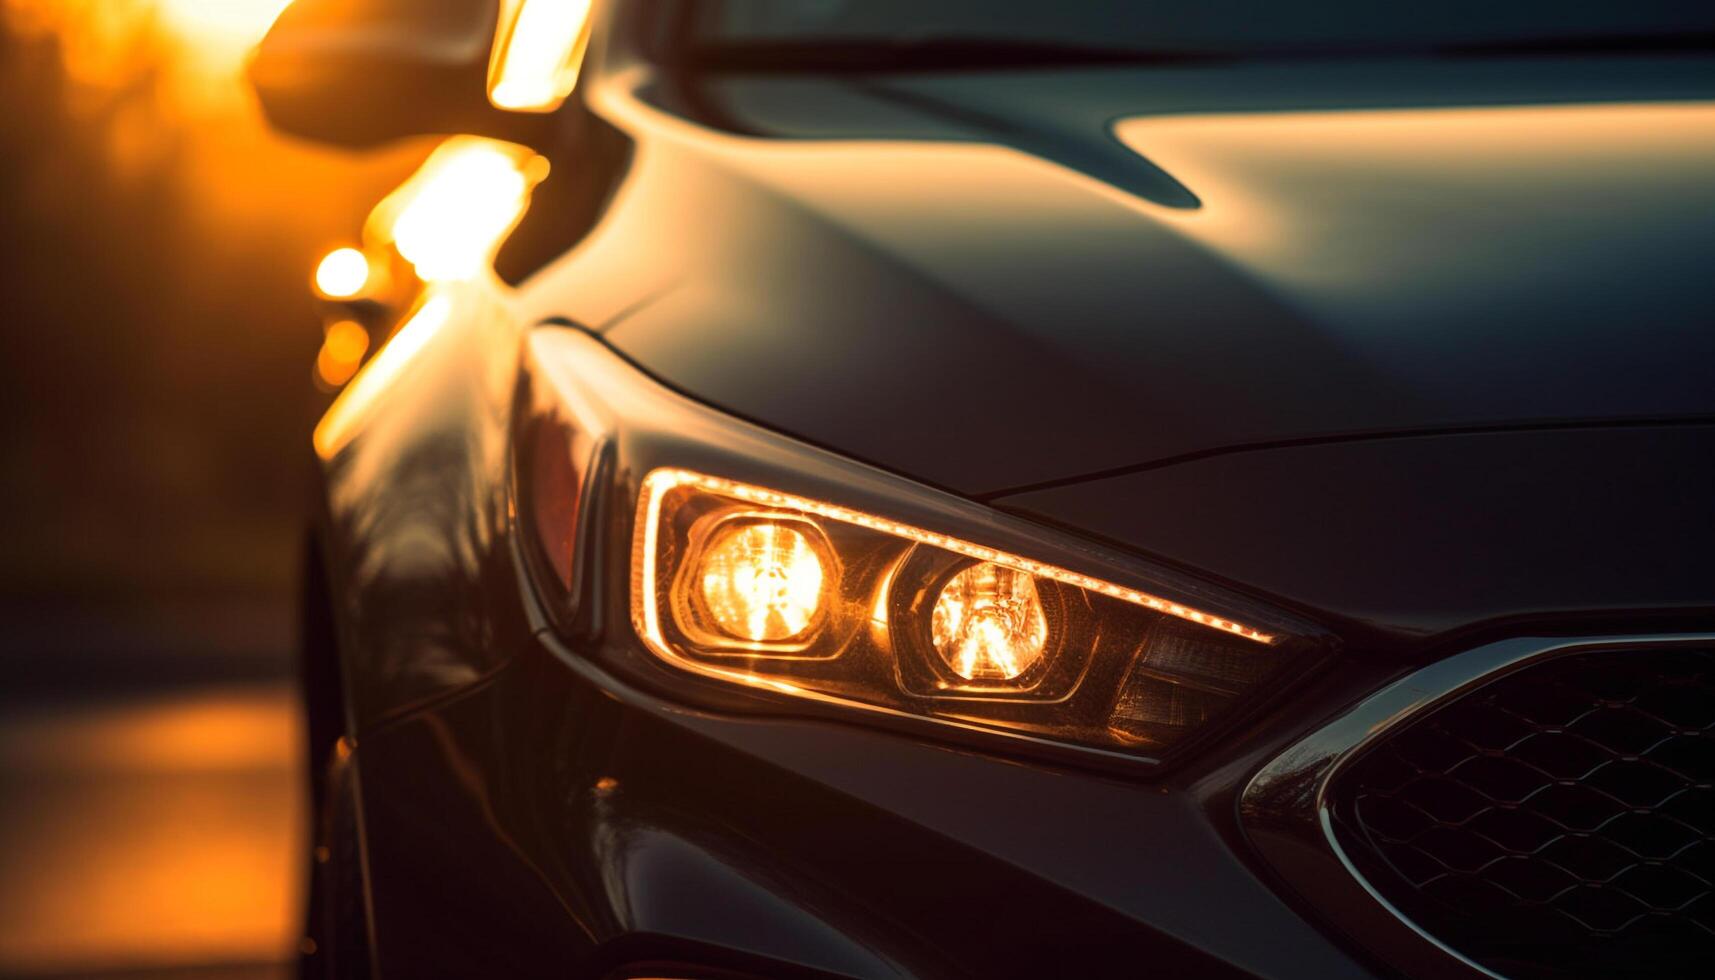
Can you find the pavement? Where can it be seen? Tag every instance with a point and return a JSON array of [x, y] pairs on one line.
[[151, 830]]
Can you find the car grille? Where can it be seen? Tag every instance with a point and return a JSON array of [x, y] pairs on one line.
[[1559, 819]]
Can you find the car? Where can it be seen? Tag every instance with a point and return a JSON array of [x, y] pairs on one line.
[[1007, 489]]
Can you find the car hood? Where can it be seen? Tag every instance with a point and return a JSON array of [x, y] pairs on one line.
[[998, 282]]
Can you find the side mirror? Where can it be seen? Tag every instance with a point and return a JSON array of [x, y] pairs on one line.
[[362, 72]]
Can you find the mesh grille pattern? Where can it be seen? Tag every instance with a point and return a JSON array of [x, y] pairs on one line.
[[1557, 820]]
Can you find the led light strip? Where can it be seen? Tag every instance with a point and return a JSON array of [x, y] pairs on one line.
[[659, 482]]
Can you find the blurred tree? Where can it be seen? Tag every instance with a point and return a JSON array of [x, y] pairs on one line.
[[159, 332]]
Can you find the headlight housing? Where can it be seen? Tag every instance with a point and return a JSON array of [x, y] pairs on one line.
[[824, 586]]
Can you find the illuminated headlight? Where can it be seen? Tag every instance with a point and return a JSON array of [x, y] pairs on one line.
[[770, 576], [757, 580], [988, 623], [763, 588]]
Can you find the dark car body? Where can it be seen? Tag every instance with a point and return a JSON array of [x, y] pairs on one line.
[[1418, 350]]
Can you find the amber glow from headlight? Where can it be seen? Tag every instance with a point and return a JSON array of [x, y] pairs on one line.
[[761, 582], [659, 482], [538, 52], [988, 623], [758, 587], [833, 609]]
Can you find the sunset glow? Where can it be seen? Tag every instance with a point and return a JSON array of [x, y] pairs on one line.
[[198, 44]]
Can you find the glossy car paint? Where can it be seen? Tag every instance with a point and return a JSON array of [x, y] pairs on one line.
[[1397, 541], [1372, 265], [874, 267]]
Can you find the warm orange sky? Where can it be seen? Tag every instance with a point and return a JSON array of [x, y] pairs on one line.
[[107, 40], [190, 56]]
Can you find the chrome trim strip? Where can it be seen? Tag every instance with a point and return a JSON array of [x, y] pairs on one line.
[[1285, 809]]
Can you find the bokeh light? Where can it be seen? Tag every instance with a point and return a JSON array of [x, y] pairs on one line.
[[343, 347], [342, 273], [159, 241]]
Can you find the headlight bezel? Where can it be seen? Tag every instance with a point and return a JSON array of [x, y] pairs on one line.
[[645, 428]]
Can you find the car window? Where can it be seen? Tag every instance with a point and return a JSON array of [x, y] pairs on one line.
[[1234, 27]]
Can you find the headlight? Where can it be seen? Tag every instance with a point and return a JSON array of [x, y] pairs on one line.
[[769, 566], [812, 599]]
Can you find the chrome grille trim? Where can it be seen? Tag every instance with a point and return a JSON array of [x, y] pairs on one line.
[[1285, 809]]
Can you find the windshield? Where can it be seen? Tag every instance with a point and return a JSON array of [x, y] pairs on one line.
[[1229, 28]]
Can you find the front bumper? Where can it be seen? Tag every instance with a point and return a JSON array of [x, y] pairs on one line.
[[552, 818]]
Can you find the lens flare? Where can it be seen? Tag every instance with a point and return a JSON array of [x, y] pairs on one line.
[[761, 582], [988, 623]]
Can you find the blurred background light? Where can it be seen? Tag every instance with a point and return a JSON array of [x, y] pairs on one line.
[[160, 243], [194, 44], [343, 347], [223, 28], [342, 273], [168, 251]]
